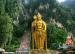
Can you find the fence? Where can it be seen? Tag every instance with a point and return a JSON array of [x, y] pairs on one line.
[[9, 52], [22, 51], [17, 52]]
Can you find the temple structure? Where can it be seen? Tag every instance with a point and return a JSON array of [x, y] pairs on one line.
[[69, 40]]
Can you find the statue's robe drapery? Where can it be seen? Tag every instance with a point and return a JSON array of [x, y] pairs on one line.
[[39, 34], [33, 33]]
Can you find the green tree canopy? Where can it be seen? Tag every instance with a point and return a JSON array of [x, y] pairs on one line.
[[55, 35]]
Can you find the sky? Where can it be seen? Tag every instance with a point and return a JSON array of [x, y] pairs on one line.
[[61, 1]]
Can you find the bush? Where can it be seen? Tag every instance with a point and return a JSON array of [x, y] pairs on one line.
[[6, 29], [55, 36]]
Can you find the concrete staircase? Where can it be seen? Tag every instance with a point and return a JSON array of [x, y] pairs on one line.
[[25, 40], [25, 44]]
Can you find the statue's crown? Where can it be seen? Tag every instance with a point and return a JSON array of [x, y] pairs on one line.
[[39, 15]]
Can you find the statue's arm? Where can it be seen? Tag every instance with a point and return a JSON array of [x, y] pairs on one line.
[[32, 26], [44, 25]]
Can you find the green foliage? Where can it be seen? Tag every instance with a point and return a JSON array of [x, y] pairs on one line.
[[18, 31], [6, 29], [12, 8], [55, 36], [15, 43]]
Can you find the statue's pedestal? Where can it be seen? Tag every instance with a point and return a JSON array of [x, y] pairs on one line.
[[40, 51]]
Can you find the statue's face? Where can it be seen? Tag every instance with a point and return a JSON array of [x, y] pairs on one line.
[[39, 16]]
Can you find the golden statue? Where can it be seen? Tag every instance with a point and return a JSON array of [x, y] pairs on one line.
[[39, 33]]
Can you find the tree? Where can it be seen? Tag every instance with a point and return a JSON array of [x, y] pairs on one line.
[[55, 36], [6, 26], [6, 29]]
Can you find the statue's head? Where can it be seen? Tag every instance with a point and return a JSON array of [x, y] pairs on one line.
[[39, 16], [35, 17]]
